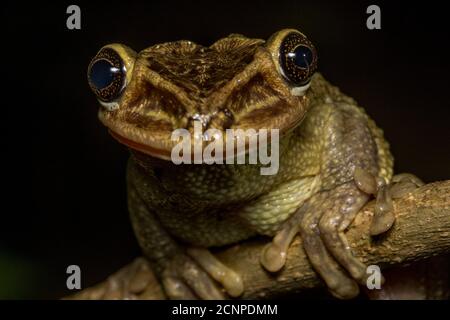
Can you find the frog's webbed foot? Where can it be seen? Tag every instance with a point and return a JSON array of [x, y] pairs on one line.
[[194, 275], [129, 283], [321, 222], [229, 279], [401, 185]]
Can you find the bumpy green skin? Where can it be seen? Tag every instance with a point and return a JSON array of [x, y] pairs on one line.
[[216, 205]]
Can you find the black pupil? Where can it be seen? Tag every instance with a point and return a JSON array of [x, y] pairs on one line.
[[303, 57], [102, 74]]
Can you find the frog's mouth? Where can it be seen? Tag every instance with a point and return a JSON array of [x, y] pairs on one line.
[[144, 148], [155, 137], [162, 149], [157, 144]]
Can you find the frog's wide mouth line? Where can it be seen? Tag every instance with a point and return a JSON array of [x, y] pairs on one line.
[[134, 138], [159, 144], [147, 149]]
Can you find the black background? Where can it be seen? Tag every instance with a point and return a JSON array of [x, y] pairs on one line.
[[63, 195]]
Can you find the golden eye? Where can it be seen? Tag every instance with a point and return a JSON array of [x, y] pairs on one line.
[[298, 58], [106, 75]]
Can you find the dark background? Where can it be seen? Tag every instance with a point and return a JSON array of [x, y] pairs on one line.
[[63, 195]]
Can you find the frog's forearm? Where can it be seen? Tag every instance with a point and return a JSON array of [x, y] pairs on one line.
[[154, 240]]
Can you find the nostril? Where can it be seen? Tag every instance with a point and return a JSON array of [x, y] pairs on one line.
[[202, 118], [223, 119]]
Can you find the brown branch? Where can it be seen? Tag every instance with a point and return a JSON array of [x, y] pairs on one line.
[[421, 231]]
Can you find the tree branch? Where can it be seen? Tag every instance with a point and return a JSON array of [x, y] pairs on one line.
[[421, 231]]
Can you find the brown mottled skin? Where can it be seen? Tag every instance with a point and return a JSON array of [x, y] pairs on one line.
[[177, 210]]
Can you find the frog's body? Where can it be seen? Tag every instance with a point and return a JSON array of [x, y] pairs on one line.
[[215, 205], [330, 154]]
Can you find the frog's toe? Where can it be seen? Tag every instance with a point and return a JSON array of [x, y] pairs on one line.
[[322, 225], [407, 177], [273, 256], [381, 223], [176, 288], [338, 282], [401, 185], [339, 210], [184, 278], [365, 181], [384, 217], [404, 183], [347, 289], [399, 190], [229, 279], [128, 283], [141, 276]]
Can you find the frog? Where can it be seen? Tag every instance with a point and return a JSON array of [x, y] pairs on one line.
[[332, 160]]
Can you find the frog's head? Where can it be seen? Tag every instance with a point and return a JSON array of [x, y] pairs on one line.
[[236, 83]]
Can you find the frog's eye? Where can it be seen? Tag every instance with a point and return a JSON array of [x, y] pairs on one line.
[[298, 58], [106, 75]]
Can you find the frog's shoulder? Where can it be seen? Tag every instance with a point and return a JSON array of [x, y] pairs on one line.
[[323, 91], [324, 95]]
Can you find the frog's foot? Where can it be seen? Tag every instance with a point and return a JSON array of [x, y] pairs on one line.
[[128, 283], [321, 222], [401, 185], [194, 275], [230, 280]]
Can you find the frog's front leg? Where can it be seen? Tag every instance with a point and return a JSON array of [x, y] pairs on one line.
[[347, 143], [322, 229], [185, 273], [328, 214], [321, 221]]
